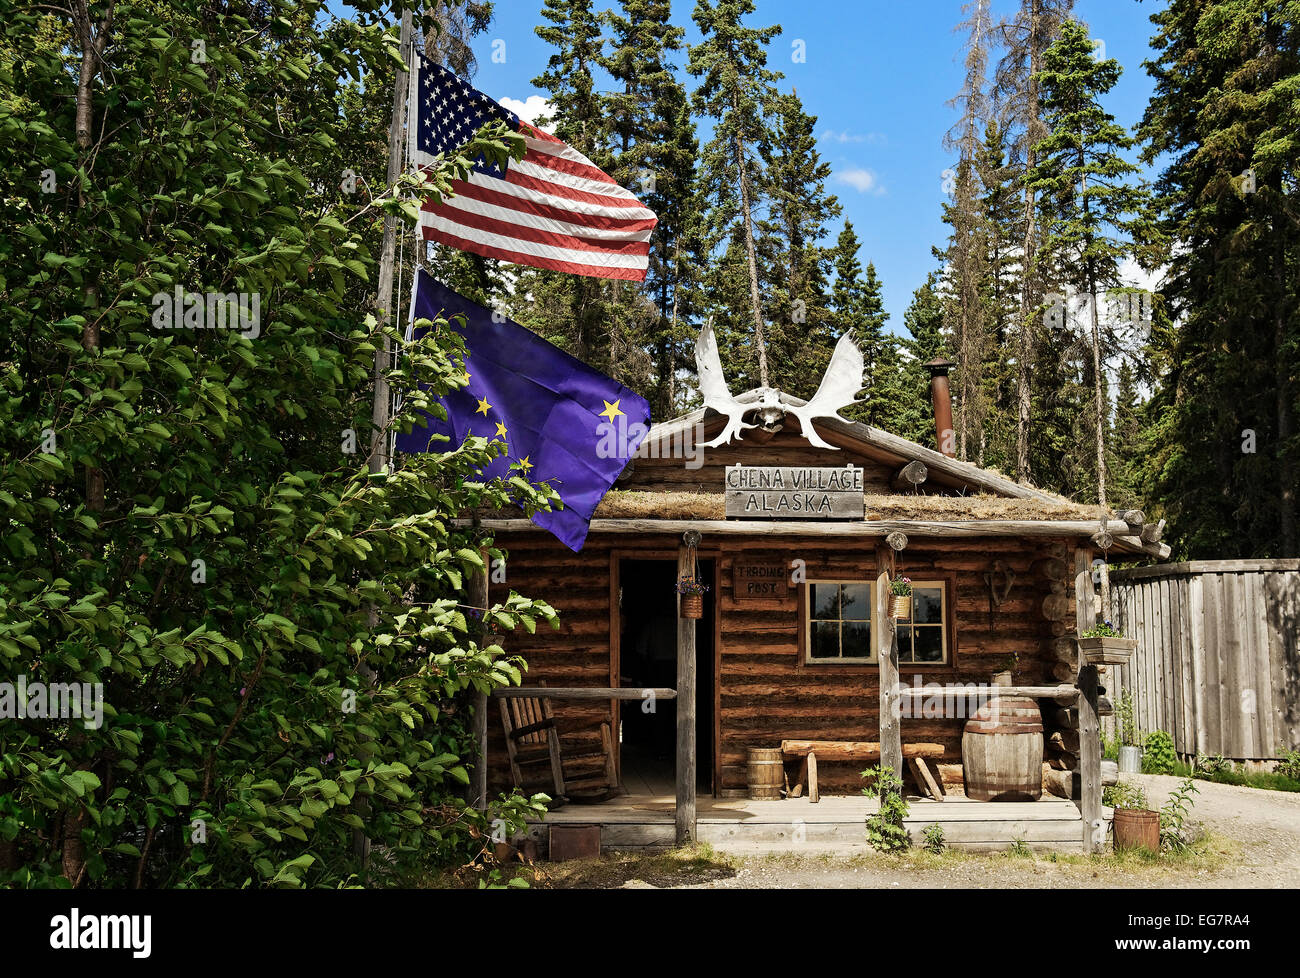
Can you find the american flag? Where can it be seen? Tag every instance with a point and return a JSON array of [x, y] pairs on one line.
[[554, 209]]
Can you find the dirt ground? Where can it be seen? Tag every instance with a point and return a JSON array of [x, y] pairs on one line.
[[1249, 839]]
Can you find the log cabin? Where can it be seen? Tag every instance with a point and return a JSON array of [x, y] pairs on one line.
[[797, 545]]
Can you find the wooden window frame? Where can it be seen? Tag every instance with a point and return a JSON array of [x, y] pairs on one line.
[[945, 623], [948, 579], [805, 625]]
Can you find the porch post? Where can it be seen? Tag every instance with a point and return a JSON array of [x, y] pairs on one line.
[[685, 809], [1089, 722], [891, 735]]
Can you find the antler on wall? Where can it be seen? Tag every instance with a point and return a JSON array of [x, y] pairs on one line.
[[838, 389], [713, 387]]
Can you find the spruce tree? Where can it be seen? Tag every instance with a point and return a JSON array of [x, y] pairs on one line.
[[905, 400], [571, 311], [966, 257], [1024, 38], [801, 335], [1097, 214], [1001, 296], [858, 306], [655, 150], [1222, 422], [736, 90]]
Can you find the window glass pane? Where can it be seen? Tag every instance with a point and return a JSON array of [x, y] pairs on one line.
[[927, 605], [825, 639], [929, 643], [904, 643], [857, 639], [825, 600], [855, 605]]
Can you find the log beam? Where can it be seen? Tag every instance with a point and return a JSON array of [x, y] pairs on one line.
[[848, 750], [909, 476], [1152, 532], [584, 693]]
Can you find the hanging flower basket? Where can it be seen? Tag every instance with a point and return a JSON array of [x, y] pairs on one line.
[[1103, 645], [900, 598], [692, 592]]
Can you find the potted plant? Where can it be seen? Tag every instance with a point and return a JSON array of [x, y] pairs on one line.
[[1103, 645], [1130, 754], [692, 592], [1005, 676], [1135, 825], [900, 597]]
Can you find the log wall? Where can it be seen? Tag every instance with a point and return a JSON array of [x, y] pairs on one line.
[[766, 692]]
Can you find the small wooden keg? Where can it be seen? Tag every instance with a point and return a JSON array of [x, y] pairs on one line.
[[766, 773]]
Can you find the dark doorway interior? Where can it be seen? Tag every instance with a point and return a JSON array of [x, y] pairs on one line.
[[648, 658]]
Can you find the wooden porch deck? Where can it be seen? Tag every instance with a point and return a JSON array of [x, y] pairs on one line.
[[836, 822]]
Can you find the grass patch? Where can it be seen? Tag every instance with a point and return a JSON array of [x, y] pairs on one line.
[[699, 863], [1245, 779]]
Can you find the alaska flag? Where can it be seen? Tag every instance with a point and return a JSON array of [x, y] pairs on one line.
[[557, 416]]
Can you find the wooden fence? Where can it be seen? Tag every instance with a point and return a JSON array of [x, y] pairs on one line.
[[1218, 657]]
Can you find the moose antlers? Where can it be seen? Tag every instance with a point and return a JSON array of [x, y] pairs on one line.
[[840, 384]]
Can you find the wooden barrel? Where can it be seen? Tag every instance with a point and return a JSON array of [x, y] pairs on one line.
[[1002, 751], [766, 773]]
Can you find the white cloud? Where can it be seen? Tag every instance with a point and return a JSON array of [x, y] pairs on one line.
[[1133, 275], [530, 109], [863, 181], [844, 136]]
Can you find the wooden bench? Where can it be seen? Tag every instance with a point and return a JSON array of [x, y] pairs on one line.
[[848, 750]]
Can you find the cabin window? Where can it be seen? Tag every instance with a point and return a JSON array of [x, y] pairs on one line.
[[924, 639], [839, 621]]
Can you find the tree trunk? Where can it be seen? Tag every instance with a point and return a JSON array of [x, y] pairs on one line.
[[672, 329], [1027, 261], [756, 304], [93, 41]]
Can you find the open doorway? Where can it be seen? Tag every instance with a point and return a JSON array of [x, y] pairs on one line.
[[648, 658]]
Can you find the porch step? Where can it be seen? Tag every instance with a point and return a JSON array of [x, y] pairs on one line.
[[834, 824]]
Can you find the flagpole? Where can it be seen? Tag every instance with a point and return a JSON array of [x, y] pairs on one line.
[[381, 408]]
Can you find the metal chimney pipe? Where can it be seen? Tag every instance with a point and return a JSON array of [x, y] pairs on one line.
[[941, 398]]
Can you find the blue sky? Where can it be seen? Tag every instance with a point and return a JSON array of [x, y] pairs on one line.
[[877, 75]]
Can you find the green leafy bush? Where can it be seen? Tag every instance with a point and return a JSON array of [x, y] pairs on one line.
[[186, 515], [1217, 764], [1289, 765], [885, 830], [1125, 794], [1126, 715], [1158, 755], [1175, 831], [933, 837]]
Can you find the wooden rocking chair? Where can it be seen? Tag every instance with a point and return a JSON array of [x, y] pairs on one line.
[[531, 738]]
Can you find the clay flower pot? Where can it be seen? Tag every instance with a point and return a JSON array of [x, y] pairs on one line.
[[1137, 828]]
